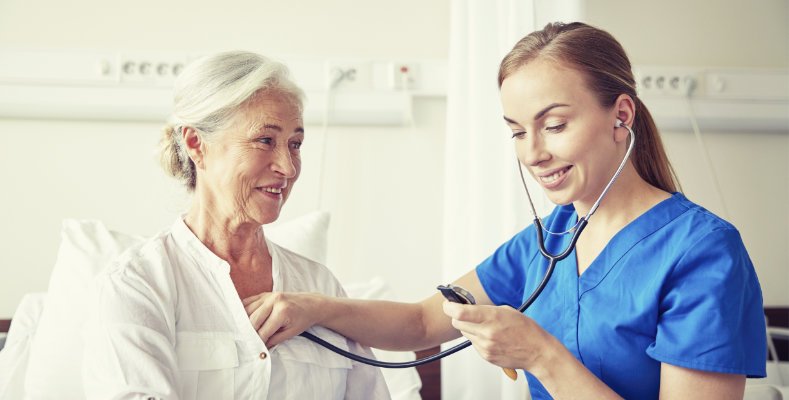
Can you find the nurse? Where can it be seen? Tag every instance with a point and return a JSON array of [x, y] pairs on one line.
[[659, 298]]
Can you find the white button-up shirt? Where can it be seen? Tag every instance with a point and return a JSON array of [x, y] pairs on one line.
[[168, 324]]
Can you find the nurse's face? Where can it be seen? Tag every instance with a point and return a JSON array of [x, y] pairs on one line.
[[562, 135], [250, 168]]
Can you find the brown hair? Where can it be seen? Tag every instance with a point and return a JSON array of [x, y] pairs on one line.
[[602, 60]]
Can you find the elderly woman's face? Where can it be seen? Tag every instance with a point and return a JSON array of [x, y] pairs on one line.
[[251, 167]]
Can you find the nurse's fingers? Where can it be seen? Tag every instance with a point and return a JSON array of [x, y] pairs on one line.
[[270, 309], [280, 337], [468, 313], [251, 306], [491, 352], [486, 348], [469, 329], [270, 326], [281, 314], [249, 300], [259, 313], [277, 329]]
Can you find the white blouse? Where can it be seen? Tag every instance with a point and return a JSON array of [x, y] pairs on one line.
[[168, 324]]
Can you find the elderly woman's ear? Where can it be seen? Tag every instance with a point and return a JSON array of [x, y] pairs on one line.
[[194, 145]]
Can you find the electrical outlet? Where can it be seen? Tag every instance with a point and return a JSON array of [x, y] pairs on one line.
[[348, 75], [403, 76], [150, 69], [666, 81], [398, 76]]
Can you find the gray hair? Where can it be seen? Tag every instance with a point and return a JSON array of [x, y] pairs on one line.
[[208, 94]]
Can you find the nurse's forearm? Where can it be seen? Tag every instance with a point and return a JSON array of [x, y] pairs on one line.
[[564, 377], [385, 324]]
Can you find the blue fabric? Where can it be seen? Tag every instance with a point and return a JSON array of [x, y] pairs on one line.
[[675, 286]]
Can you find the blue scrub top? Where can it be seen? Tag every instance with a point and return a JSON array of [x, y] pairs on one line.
[[674, 286]]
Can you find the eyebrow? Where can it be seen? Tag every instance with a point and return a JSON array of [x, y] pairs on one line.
[[279, 128], [540, 113]]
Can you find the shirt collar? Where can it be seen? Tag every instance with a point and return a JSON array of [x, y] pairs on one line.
[[203, 256], [191, 244], [626, 239]]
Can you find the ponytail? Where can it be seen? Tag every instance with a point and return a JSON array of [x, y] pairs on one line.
[[649, 157]]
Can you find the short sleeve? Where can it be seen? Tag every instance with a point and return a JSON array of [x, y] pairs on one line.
[[503, 274], [506, 273], [711, 315]]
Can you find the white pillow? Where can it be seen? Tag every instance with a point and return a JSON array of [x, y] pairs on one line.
[[87, 246], [306, 236], [14, 356]]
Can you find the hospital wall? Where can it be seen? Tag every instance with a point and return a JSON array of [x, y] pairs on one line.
[[382, 185]]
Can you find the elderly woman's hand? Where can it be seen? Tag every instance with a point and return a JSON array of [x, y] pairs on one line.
[[279, 316]]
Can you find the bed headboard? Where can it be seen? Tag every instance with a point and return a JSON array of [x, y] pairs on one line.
[[4, 325], [430, 374]]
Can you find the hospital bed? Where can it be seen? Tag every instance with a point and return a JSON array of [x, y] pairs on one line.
[[776, 385]]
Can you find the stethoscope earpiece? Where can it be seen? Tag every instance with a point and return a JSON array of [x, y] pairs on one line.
[[618, 124]]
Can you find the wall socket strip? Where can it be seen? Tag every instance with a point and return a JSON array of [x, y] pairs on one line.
[[667, 81], [742, 84], [155, 69]]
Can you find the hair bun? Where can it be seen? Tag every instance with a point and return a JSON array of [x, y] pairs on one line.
[[168, 152]]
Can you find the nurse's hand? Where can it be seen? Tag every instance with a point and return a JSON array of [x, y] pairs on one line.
[[280, 316], [501, 334]]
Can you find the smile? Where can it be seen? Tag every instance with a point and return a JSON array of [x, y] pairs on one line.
[[554, 176], [276, 193]]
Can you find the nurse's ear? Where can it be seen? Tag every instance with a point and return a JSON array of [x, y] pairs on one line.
[[625, 111]]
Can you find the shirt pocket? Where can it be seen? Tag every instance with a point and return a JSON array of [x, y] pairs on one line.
[[207, 363], [302, 360]]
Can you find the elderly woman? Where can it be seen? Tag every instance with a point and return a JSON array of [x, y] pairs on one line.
[[169, 320]]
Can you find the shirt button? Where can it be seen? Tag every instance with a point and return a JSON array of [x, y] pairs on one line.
[[263, 355]]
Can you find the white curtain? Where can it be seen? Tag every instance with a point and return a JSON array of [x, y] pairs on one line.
[[483, 196]]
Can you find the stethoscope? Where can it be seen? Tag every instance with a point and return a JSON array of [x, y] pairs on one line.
[[460, 295]]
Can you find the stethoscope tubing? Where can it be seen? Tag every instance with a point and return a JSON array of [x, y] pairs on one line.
[[553, 259]]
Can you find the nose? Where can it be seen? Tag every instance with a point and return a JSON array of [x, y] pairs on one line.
[[283, 162], [531, 150]]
